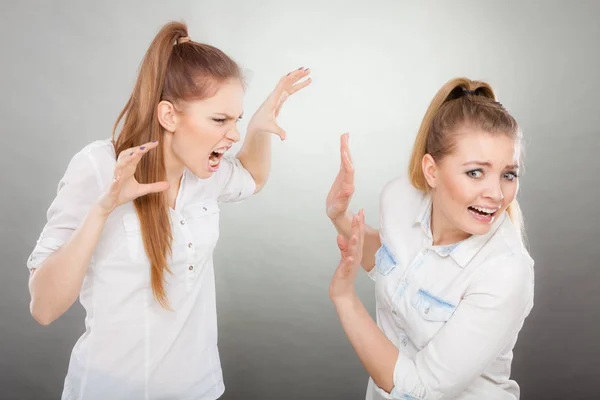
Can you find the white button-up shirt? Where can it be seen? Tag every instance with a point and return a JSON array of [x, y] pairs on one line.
[[453, 311], [133, 348]]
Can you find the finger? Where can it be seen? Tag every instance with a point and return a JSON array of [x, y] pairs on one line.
[[153, 188], [346, 147], [300, 86], [353, 247], [286, 83], [277, 130], [127, 153], [294, 76], [361, 229]]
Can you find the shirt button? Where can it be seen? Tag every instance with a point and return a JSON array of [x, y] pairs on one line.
[[394, 312], [204, 208], [404, 342], [191, 267], [190, 245], [182, 222], [427, 310]]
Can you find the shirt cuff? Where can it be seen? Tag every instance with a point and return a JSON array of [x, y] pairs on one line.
[[44, 248], [372, 273], [405, 376]]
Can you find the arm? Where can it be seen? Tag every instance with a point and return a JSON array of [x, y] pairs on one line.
[[76, 219], [55, 284], [255, 154]]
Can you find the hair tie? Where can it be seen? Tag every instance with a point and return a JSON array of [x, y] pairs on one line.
[[183, 39]]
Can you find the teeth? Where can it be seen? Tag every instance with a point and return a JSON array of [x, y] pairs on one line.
[[221, 150], [213, 162], [484, 210]]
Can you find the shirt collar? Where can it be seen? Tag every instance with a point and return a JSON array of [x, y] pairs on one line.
[[461, 252]]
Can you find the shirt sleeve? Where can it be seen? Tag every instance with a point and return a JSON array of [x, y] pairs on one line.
[[77, 191], [235, 182], [485, 321], [383, 201]]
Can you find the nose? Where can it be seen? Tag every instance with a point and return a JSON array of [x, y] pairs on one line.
[[494, 192], [233, 134]]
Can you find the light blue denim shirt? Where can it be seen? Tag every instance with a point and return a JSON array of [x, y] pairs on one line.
[[453, 312]]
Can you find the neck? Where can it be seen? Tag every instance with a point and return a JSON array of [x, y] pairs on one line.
[[442, 232], [174, 168]]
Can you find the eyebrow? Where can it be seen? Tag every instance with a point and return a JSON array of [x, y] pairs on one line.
[[230, 116], [489, 165]]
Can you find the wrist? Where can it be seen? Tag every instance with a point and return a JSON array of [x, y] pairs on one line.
[[99, 211], [337, 219], [346, 300]]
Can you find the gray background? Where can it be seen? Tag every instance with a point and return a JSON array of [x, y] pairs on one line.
[[68, 67]]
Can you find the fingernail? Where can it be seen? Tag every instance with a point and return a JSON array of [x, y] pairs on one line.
[[142, 148], [300, 68], [131, 153], [154, 141]]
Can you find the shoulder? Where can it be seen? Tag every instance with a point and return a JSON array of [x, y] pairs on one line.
[[95, 160], [400, 189], [400, 200]]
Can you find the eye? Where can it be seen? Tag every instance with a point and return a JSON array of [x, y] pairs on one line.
[[219, 120], [475, 174], [511, 176]]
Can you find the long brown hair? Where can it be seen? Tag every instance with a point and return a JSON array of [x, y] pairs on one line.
[[173, 69], [460, 102]]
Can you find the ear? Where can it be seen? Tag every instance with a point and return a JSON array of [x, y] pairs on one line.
[[430, 170], [166, 116]]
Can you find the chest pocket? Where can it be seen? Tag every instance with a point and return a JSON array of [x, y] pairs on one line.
[[203, 220], [384, 260], [135, 242], [430, 313], [133, 236]]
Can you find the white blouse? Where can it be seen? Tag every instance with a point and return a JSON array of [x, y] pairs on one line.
[[133, 348], [453, 311]]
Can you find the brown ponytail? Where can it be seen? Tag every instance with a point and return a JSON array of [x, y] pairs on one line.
[[174, 68], [460, 101]]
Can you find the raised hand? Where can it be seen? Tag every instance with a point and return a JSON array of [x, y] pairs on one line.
[[124, 186], [342, 189], [342, 284], [265, 118]]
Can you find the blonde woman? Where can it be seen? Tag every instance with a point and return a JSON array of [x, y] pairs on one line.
[[134, 224], [453, 280]]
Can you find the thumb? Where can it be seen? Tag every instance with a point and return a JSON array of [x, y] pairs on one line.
[[153, 188], [343, 246], [276, 129]]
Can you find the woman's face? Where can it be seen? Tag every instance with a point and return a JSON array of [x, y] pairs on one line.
[[205, 129], [473, 185]]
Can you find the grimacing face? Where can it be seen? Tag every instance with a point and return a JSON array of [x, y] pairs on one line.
[[472, 186], [204, 130]]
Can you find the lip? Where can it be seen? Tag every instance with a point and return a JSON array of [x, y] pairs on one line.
[[486, 219]]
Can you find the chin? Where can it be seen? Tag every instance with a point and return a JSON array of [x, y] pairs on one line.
[[200, 172]]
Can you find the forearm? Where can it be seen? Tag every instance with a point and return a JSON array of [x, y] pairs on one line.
[[55, 284], [255, 156], [375, 351], [372, 242]]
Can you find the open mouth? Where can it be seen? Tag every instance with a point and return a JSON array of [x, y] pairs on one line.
[[215, 158], [482, 214]]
